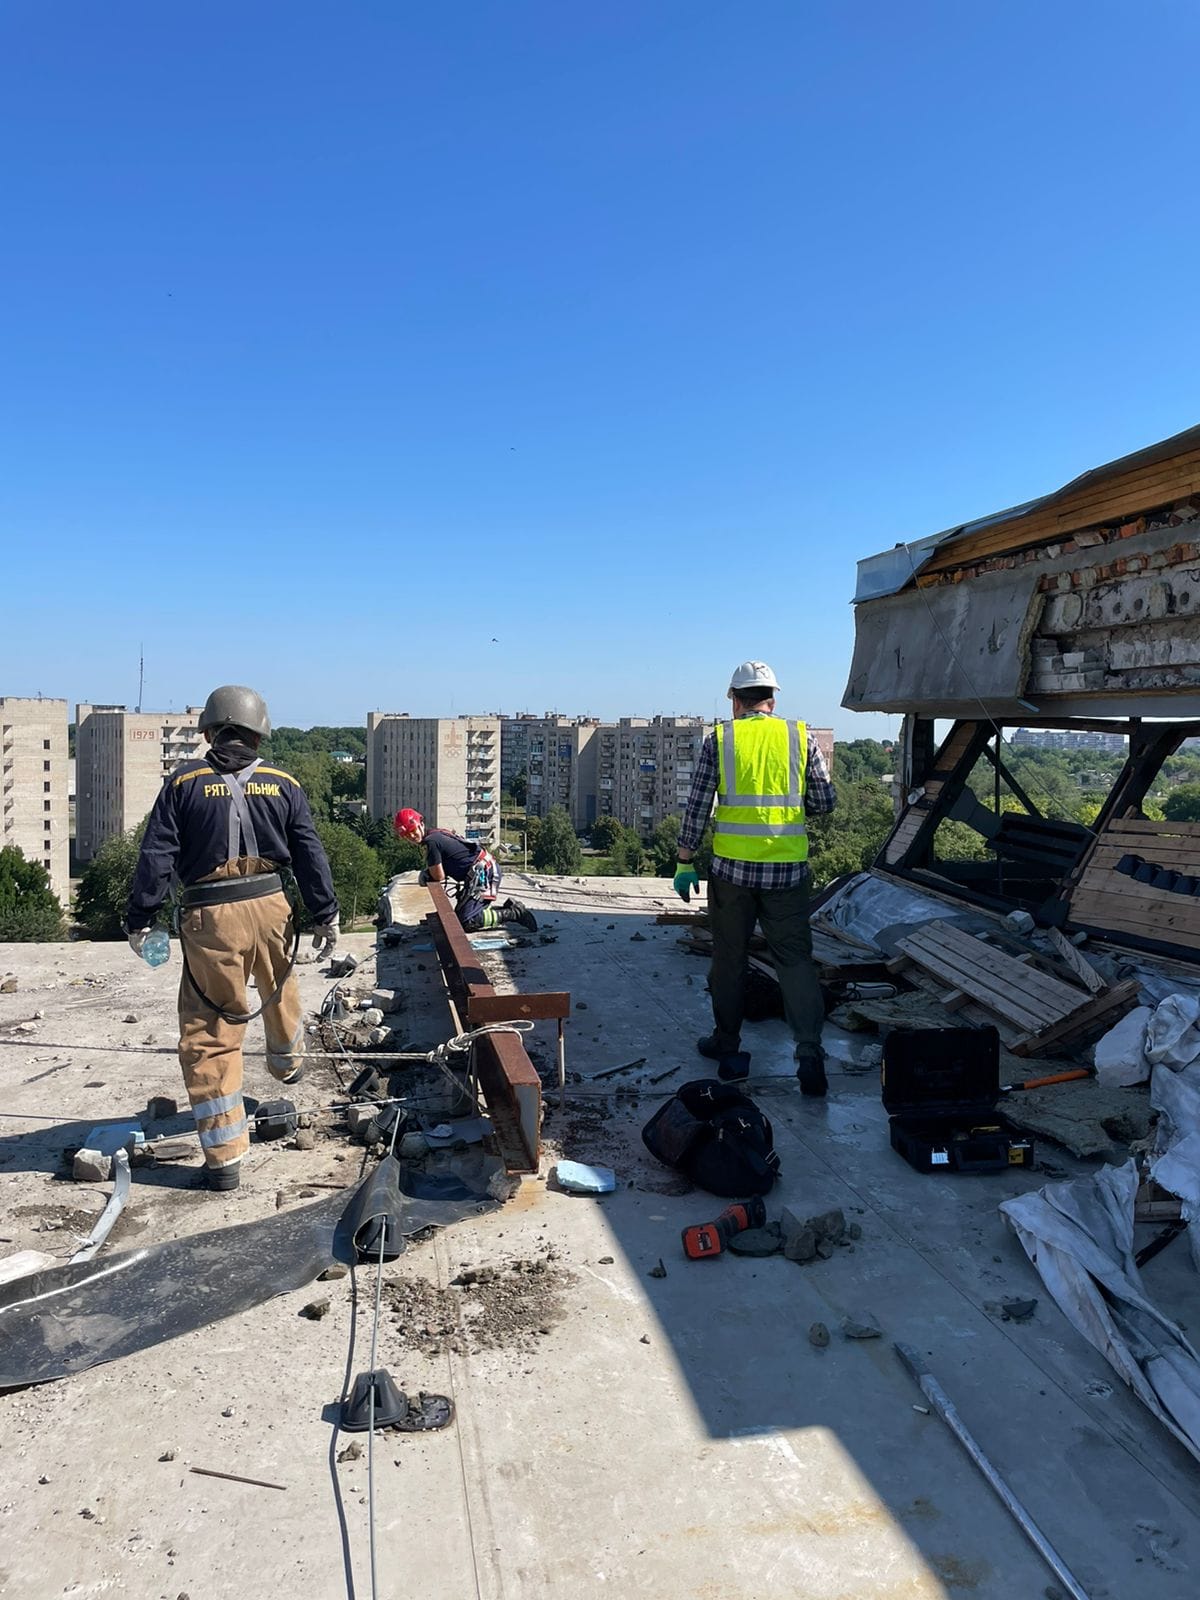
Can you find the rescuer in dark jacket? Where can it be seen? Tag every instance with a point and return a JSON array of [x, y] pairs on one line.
[[225, 825]]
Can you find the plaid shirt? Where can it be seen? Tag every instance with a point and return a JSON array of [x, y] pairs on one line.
[[819, 796]]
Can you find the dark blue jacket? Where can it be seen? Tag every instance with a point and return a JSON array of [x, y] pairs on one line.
[[187, 836]]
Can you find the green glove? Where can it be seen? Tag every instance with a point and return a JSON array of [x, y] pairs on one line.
[[686, 879]]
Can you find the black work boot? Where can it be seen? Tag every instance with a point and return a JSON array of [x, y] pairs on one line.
[[710, 1049], [810, 1069], [515, 911], [220, 1180]]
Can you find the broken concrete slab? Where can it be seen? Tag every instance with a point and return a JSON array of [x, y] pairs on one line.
[[91, 1166]]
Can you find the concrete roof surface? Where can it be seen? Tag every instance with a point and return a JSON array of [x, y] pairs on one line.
[[676, 1436]]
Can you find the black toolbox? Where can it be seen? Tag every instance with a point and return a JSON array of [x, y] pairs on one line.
[[940, 1088]]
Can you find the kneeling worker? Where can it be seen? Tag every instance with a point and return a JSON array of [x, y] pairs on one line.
[[225, 825], [766, 776], [471, 867]]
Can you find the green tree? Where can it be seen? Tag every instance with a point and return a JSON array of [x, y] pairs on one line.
[[557, 847], [519, 788], [285, 743], [29, 908], [313, 771], [1182, 804], [849, 838], [605, 832], [358, 873], [395, 855], [862, 758], [105, 884], [664, 847], [628, 855], [349, 780]]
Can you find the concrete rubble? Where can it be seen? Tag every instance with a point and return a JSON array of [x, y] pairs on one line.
[[738, 1381]]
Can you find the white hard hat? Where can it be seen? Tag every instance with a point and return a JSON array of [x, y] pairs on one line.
[[753, 675]]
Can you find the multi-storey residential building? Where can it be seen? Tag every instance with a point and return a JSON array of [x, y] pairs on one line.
[[447, 768], [514, 746], [560, 766], [644, 766], [33, 785], [121, 759]]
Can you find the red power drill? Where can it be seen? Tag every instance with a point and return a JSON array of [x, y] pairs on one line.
[[710, 1238]]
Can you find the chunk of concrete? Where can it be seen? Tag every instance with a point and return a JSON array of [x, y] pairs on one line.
[[359, 1118], [372, 1016], [387, 1000], [91, 1166], [8, 985], [160, 1106]]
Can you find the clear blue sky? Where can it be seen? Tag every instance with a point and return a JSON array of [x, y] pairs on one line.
[[337, 340]]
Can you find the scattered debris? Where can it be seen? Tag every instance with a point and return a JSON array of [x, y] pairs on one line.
[[90, 1166], [765, 1241], [332, 1273], [645, 1339], [131, 1016], [576, 1177], [486, 1308], [352, 1452], [168, 1455], [805, 1238], [315, 1310], [868, 1328], [305, 1139], [605, 1261], [8, 984], [818, 1335], [236, 1477], [659, 1271], [161, 1106]]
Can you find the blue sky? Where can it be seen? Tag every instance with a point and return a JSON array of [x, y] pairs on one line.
[[337, 341]]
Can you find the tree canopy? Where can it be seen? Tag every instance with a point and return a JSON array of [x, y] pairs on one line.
[[556, 848], [105, 884], [29, 909]]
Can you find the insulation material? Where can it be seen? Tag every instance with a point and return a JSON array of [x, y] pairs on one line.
[[942, 651], [880, 910], [1079, 1236]]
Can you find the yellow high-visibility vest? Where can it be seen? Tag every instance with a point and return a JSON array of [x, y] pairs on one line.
[[761, 767]]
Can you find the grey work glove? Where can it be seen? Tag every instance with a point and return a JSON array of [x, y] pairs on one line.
[[137, 938], [325, 937]]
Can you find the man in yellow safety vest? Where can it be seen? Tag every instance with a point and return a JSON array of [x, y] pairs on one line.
[[766, 776]]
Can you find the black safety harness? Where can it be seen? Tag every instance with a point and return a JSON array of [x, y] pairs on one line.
[[222, 891]]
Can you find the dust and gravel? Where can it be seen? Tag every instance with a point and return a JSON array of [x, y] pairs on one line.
[[593, 1133], [504, 1307]]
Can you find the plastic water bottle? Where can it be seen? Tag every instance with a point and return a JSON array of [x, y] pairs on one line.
[[157, 947]]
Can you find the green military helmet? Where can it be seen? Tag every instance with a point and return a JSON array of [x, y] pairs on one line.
[[235, 706]]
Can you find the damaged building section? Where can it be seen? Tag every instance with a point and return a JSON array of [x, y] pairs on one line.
[[1077, 942]]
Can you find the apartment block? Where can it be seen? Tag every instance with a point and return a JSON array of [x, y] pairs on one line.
[[447, 768], [33, 785], [121, 760], [644, 767], [560, 765]]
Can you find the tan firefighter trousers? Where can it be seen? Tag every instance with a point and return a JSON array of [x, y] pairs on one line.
[[225, 945]]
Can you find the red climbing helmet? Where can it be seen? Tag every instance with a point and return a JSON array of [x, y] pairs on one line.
[[409, 824]]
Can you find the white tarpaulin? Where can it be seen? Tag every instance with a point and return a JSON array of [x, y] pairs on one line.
[[1079, 1236]]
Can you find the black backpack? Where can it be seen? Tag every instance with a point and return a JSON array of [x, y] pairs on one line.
[[716, 1136]]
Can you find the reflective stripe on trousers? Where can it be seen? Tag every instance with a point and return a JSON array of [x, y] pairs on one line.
[[226, 945]]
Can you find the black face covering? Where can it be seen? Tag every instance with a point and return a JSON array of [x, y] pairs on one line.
[[232, 749]]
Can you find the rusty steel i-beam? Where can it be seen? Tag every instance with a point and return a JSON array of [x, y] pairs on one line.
[[510, 1083]]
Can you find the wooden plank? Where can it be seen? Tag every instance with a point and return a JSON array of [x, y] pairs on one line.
[[518, 1007], [985, 988], [1113, 1003], [1106, 916], [1143, 489], [1183, 830], [1079, 964], [1058, 996], [1131, 898], [1181, 854], [977, 1015]]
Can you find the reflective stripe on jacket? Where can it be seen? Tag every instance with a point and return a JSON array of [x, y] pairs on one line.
[[761, 764]]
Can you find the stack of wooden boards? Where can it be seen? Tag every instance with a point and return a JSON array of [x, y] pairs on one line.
[[1033, 1009], [1109, 901]]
